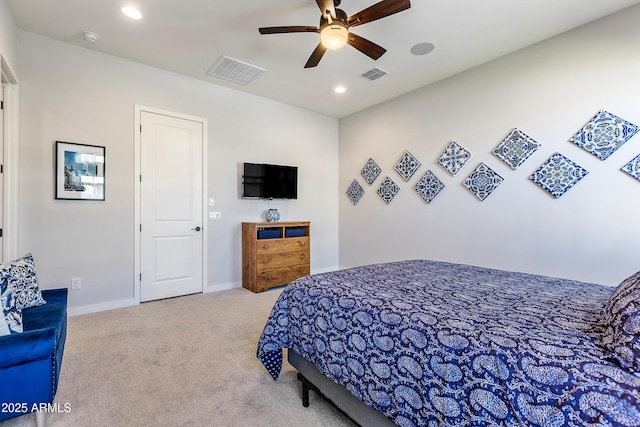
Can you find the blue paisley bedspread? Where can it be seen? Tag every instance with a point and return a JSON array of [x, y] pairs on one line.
[[437, 344]]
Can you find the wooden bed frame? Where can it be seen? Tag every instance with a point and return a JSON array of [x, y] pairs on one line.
[[312, 379]]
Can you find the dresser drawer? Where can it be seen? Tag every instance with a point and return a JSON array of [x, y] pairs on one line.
[[282, 245], [280, 276], [268, 260]]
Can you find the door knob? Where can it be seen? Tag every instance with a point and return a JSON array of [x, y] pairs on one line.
[[197, 228]]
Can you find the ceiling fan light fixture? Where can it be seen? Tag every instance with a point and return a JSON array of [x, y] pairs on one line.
[[334, 36]]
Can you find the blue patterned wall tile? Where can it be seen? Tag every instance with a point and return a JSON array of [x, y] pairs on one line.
[[558, 174], [407, 166], [454, 158], [633, 168], [388, 190], [428, 186], [370, 171], [604, 134], [355, 192], [482, 181], [516, 148]]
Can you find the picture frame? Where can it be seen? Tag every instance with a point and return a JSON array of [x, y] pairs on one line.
[[79, 171]]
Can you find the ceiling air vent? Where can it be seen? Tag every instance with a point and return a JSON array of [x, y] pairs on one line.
[[235, 71], [373, 74]]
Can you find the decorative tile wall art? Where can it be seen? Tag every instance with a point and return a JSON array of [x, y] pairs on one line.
[[516, 148], [454, 158], [633, 168], [604, 134], [370, 171], [388, 190], [355, 192], [482, 181], [407, 166], [428, 186], [558, 174]]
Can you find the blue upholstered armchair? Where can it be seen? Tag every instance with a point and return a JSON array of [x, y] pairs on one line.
[[30, 361]]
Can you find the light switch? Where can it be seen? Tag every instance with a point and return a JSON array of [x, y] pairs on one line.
[[212, 201]]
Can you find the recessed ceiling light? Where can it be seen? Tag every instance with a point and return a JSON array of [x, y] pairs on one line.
[[340, 89], [422, 48], [131, 12]]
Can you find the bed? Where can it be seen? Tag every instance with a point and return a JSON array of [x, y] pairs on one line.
[[427, 343]]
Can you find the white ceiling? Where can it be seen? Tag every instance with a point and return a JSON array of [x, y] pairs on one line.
[[188, 36]]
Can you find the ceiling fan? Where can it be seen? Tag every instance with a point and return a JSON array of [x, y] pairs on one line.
[[334, 27]]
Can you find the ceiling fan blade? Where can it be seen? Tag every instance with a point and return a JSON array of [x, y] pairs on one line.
[[365, 46], [327, 5], [316, 56], [379, 10], [289, 29]]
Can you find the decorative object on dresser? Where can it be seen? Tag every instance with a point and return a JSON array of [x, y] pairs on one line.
[[272, 215], [274, 254]]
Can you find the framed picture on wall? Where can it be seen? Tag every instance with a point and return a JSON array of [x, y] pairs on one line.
[[79, 171]]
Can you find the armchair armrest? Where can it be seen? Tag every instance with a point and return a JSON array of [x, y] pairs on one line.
[[27, 346]]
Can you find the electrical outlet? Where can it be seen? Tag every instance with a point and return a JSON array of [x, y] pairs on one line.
[[214, 216], [76, 283]]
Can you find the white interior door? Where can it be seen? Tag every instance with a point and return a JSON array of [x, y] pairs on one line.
[[171, 194]]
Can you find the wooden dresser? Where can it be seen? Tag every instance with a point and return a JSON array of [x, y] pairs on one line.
[[274, 253]]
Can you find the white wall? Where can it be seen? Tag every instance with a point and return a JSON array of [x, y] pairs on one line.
[[549, 91], [8, 42], [78, 95]]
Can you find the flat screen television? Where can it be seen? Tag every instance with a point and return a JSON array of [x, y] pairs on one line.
[[269, 181]]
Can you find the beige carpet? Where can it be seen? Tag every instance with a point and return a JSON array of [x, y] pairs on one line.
[[186, 361]]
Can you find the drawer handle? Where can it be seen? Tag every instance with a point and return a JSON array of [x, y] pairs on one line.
[[303, 270], [266, 246], [303, 256], [266, 261], [266, 277], [303, 243]]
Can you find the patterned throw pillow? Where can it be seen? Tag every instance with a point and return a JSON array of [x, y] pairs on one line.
[[622, 336], [20, 277], [11, 319]]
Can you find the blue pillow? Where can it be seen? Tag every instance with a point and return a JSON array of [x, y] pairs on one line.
[[11, 318], [622, 336], [20, 277]]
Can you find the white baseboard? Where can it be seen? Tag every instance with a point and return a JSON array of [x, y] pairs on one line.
[[223, 287], [112, 305], [325, 270], [94, 308], [235, 285]]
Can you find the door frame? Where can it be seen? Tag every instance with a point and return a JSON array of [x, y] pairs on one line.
[[11, 207], [138, 109]]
